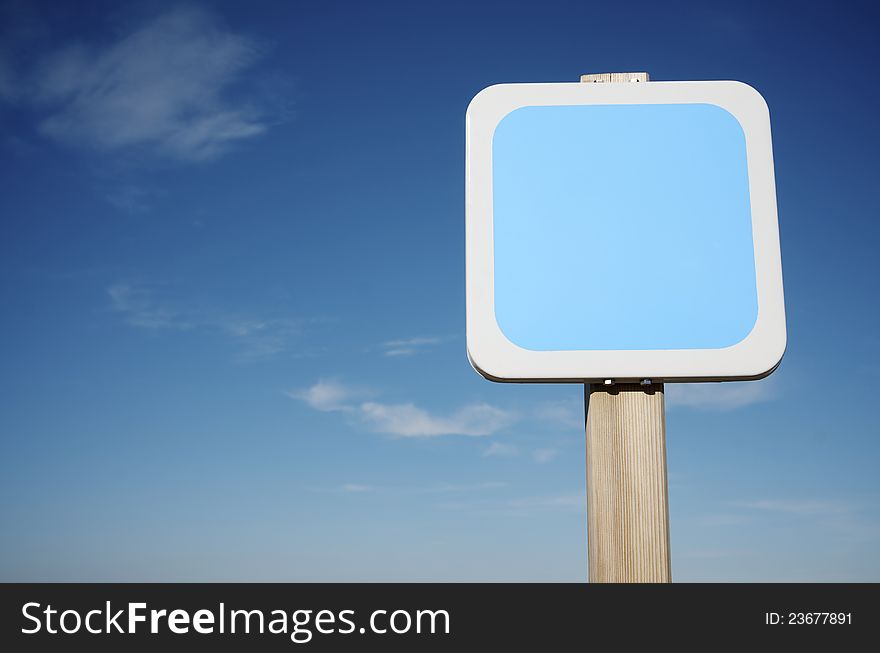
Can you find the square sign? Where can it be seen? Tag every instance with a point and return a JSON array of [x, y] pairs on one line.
[[622, 231]]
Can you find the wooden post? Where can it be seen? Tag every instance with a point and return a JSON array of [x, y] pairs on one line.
[[627, 505], [627, 496], [615, 78]]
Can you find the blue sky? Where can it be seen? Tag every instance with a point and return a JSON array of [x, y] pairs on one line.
[[232, 280]]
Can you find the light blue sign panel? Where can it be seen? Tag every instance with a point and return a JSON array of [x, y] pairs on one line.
[[622, 227]]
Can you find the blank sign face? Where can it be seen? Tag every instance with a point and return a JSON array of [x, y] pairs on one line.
[[622, 227], [622, 231]]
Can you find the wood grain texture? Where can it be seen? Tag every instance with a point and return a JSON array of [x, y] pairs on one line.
[[615, 78], [627, 500]]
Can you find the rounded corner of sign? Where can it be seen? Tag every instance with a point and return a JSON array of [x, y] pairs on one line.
[[774, 355], [763, 371], [482, 97], [767, 358], [491, 354], [747, 89], [483, 369], [747, 95]]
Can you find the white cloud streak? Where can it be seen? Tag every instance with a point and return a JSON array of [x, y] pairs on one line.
[[137, 306], [326, 395], [408, 420], [404, 420], [718, 396], [258, 338], [568, 413], [575, 502], [544, 455], [800, 507], [440, 488], [410, 346], [849, 522], [501, 449], [166, 86], [356, 488]]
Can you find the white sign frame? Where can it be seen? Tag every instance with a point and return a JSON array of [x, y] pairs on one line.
[[499, 359]]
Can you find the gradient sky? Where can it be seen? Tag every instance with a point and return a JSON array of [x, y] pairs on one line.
[[232, 290]]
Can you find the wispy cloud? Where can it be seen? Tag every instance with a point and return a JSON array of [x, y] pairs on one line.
[[408, 420], [796, 506], [712, 554], [724, 519], [506, 450], [849, 522], [544, 455], [327, 395], [129, 198], [568, 413], [410, 346], [501, 449], [140, 309], [258, 338], [574, 502], [439, 488], [356, 488], [167, 86], [404, 420], [719, 396]]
